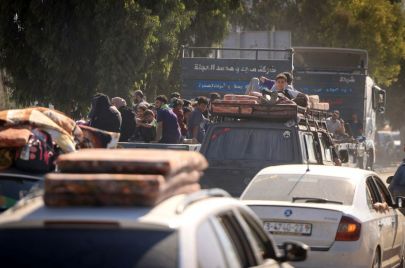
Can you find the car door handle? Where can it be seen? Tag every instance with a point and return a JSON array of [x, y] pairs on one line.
[[380, 224]]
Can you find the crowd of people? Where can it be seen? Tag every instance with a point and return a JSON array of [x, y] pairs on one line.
[[342, 130], [174, 120], [178, 120]]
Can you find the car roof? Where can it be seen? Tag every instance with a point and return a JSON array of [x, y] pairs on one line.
[[322, 170], [32, 212], [17, 173]]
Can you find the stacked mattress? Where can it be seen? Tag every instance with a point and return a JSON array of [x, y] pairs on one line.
[[122, 177]]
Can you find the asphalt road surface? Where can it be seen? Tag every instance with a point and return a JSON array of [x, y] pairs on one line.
[[386, 170]]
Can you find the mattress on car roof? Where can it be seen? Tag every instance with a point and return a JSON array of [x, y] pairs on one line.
[[64, 189], [131, 161]]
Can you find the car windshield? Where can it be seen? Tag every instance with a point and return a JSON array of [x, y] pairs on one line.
[[274, 145], [301, 188], [97, 247], [13, 189]]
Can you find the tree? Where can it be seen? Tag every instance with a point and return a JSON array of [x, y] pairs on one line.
[[199, 23], [62, 52], [375, 25]]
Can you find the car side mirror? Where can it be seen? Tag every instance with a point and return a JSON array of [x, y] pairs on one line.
[[389, 179], [400, 201], [294, 251]]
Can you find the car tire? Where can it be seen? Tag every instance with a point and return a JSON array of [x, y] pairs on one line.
[[377, 259]]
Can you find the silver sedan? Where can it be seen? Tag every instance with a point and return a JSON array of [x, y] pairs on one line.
[[347, 216]]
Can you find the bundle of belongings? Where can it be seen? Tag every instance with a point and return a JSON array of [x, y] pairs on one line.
[[131, 177], [32, 138]]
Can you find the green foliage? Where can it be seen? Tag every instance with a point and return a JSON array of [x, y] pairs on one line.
[[62, 52], [375, 25]]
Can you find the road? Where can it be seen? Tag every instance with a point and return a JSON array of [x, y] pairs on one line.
[[386, 170]]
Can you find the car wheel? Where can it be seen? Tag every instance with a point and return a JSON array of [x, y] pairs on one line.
[[377, 259]]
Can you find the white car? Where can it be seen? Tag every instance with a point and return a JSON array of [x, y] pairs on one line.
[[203, 229], [345, 215]]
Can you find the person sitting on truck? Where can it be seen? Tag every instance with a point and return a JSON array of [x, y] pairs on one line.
[[356, 127], [254, 87], [285, 94], [196, 122], [168, 130], [333, 123]]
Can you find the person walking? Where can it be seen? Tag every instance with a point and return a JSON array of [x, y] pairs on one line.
[[168, 129], [103, 115], [178, 110], [128, 118], [139, 98], [196, 122]]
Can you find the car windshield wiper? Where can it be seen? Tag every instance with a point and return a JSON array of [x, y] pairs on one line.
[[315, 200]]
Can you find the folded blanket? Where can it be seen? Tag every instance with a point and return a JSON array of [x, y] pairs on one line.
[[97, 138], [36, 118], [14, 137]]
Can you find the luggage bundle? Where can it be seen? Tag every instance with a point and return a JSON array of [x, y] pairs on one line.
[[231, 104], [251, 106], [315, 104], [130, 177], [31, 138], [27, 149]]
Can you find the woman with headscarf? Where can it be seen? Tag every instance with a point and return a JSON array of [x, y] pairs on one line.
[[103, 115]]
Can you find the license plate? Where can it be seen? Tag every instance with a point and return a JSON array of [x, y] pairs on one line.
[[288, 228]]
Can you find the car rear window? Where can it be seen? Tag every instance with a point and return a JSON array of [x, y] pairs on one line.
[[285, 187], [60, 247], [251, 144]]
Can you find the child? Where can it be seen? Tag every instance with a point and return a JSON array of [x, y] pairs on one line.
[[147, 127]]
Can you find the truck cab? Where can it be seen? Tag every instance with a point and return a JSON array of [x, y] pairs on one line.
[[340, 77], [238, 145]]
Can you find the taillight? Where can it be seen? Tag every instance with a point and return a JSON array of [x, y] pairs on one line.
[[349, 230]]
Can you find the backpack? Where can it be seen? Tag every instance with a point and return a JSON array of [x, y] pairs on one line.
[[38, 155]]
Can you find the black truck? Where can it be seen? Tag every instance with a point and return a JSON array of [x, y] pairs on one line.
[[340, 77], [237, 146]]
